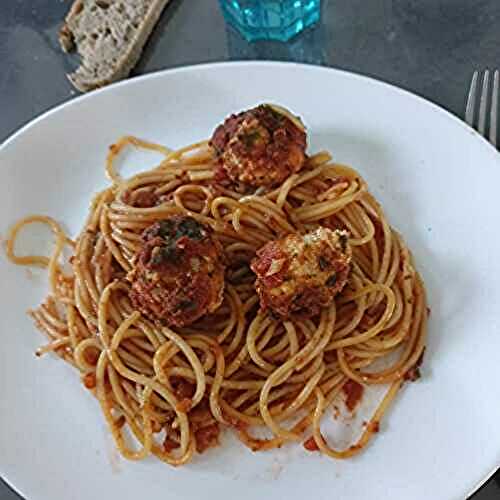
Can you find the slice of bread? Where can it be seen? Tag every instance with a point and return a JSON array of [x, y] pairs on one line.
[[109, 36]]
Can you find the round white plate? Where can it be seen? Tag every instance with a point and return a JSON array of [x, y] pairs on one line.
[[438, 182]]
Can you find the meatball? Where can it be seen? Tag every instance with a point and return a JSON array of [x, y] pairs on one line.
[[299, 274], [179, 272], [259, 147]]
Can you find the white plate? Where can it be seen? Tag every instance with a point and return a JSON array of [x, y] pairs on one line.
[[438, 182]]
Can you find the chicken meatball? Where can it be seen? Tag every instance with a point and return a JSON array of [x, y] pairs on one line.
[[259, 147], [299, 274], [179, 272]]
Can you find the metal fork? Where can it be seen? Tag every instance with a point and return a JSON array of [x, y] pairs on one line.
[[484, 100]]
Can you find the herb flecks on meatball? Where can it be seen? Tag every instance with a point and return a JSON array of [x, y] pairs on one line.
[[299, 274], [259, 147], [179, 272]]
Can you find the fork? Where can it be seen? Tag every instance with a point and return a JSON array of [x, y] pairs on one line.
[[484, 100]]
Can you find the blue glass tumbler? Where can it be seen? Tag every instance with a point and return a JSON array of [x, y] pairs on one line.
[[270, 19]]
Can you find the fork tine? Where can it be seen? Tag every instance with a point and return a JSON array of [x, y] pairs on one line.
[[471, 99], [481, 123], [494, 109]]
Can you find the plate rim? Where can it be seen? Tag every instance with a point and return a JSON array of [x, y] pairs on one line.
[[11, 140], [137, 80]]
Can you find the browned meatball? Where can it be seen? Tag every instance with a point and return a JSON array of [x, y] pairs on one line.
[[259, 147], [179, 272], [299, 274]]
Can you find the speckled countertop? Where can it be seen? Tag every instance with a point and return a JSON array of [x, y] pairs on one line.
[[429, 47]]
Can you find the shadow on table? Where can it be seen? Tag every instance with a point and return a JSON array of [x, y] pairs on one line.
[[307, 47]]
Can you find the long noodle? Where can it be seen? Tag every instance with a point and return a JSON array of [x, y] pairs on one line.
[[245, 369]]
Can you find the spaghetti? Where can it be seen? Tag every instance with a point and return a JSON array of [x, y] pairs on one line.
[[237, 367]]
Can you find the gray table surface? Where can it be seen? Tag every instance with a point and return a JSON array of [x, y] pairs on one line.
[[429, 47]]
